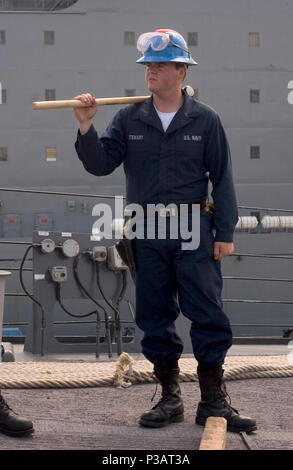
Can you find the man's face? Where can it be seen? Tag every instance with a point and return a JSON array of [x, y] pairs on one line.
[[163, 76]]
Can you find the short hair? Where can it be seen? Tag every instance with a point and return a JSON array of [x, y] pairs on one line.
[[178, 65]]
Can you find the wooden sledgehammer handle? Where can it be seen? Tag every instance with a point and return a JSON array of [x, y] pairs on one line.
[[79, 104]]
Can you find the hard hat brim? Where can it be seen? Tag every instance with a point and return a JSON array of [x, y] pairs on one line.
[[179, 60]]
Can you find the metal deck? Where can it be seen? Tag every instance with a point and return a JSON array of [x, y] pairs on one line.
[[105, 418]]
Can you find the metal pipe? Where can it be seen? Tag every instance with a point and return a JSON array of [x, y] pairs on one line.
[[16, 294], [257, 279], [57, 193], [11, 242], [67, 322], [17, 269], [262, 256], [262, 324], [265, 209], [260, 301]]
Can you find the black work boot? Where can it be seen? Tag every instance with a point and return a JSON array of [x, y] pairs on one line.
[[169, 409], [12, 424], [214, 402]]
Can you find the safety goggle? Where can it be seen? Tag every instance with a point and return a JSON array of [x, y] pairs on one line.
[[157, 41]]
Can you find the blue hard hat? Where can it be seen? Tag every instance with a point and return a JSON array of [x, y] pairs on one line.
[[163, 45]]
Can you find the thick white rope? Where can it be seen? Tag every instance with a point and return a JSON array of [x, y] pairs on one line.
[[126, 372]]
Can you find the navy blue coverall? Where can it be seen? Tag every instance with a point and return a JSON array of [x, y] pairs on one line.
[[173, 167]]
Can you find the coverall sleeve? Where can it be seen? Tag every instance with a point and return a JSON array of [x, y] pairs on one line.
[[100, 156], [218, 162]]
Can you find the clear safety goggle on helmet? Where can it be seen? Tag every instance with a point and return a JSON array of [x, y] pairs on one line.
[[157, 41]]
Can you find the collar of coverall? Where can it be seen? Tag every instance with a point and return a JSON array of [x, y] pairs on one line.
[[189, 109]]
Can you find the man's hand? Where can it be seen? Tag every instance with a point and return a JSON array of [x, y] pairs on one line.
[[85, 115], [222, 249]]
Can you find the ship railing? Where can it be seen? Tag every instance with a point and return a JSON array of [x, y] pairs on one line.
[[35, 5]]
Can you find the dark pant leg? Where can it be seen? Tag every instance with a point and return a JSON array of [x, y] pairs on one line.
[[199, 283], [156, 304]]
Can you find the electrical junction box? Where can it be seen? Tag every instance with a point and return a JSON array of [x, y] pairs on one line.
[[58, 273], [53, 271], [99, 253], [115, 262]]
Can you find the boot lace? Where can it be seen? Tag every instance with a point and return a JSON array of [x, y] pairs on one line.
[[155, 392], [223, 395], [162, 399], [3, 404]]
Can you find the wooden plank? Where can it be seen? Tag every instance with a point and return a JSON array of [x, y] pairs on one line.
[[214, 434]]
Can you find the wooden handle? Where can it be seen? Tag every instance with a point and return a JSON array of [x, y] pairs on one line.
[[79, 104]]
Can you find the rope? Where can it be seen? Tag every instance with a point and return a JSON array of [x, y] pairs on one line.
[[126, 372], [124, 361]]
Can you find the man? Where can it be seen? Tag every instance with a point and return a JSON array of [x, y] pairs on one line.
[[168, 145], [11, 423]]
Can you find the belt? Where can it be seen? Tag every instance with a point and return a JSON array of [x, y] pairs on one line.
[[172, 211]]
